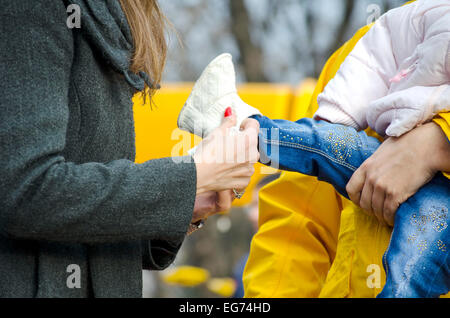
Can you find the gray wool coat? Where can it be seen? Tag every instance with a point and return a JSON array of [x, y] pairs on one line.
[[71, 196]]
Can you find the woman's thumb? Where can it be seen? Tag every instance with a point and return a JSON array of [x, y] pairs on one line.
[[230, 118]]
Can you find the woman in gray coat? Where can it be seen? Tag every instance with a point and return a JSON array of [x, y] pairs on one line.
[[72, 200]]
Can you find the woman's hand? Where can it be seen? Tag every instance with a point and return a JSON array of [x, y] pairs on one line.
[[226, 160], [211, 203], [399, 168]]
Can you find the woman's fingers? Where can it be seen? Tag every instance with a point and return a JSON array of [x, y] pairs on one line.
[[204, 204], [210, 203], [245, 171], [250, 123], [224, 201], [229, 119], [241, 183], [226, 160]]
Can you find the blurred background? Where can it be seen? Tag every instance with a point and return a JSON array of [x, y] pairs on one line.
[[272, 41]]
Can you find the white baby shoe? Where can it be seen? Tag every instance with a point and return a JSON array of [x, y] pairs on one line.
[[213, 93]]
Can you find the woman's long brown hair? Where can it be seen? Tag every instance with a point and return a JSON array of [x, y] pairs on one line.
[[148, 26]]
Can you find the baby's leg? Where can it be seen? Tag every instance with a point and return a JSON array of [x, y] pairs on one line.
[[330, 152], [417, 262]]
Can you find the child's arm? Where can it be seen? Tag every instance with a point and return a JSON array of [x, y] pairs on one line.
[[421, 89]]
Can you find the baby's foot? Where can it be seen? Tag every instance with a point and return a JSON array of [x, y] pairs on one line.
[[213, 93]]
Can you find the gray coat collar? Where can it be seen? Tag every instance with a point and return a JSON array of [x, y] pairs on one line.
[[105, 26]]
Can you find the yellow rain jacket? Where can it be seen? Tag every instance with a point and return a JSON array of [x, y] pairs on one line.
[[312, 242]]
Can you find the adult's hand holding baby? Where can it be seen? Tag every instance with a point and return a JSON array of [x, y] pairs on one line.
[[398, 169]]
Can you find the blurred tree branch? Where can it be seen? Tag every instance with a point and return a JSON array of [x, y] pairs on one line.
[[274, 40], [341, 32], [251, 57], [342, 29]]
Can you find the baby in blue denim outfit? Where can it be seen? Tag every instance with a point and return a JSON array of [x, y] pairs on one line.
[[416, 262]]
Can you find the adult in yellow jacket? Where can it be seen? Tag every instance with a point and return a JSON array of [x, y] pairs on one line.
[[312, 242]]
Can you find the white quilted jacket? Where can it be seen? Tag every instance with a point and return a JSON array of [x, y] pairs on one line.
[[398, 75]]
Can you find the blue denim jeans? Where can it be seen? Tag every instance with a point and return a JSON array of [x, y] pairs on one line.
[[416, 262]]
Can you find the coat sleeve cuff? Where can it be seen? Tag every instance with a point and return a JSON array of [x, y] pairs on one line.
[[158, 255]]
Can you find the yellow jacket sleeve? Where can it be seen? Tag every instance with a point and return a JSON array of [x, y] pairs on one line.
[[295, 246], [443, 120]]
